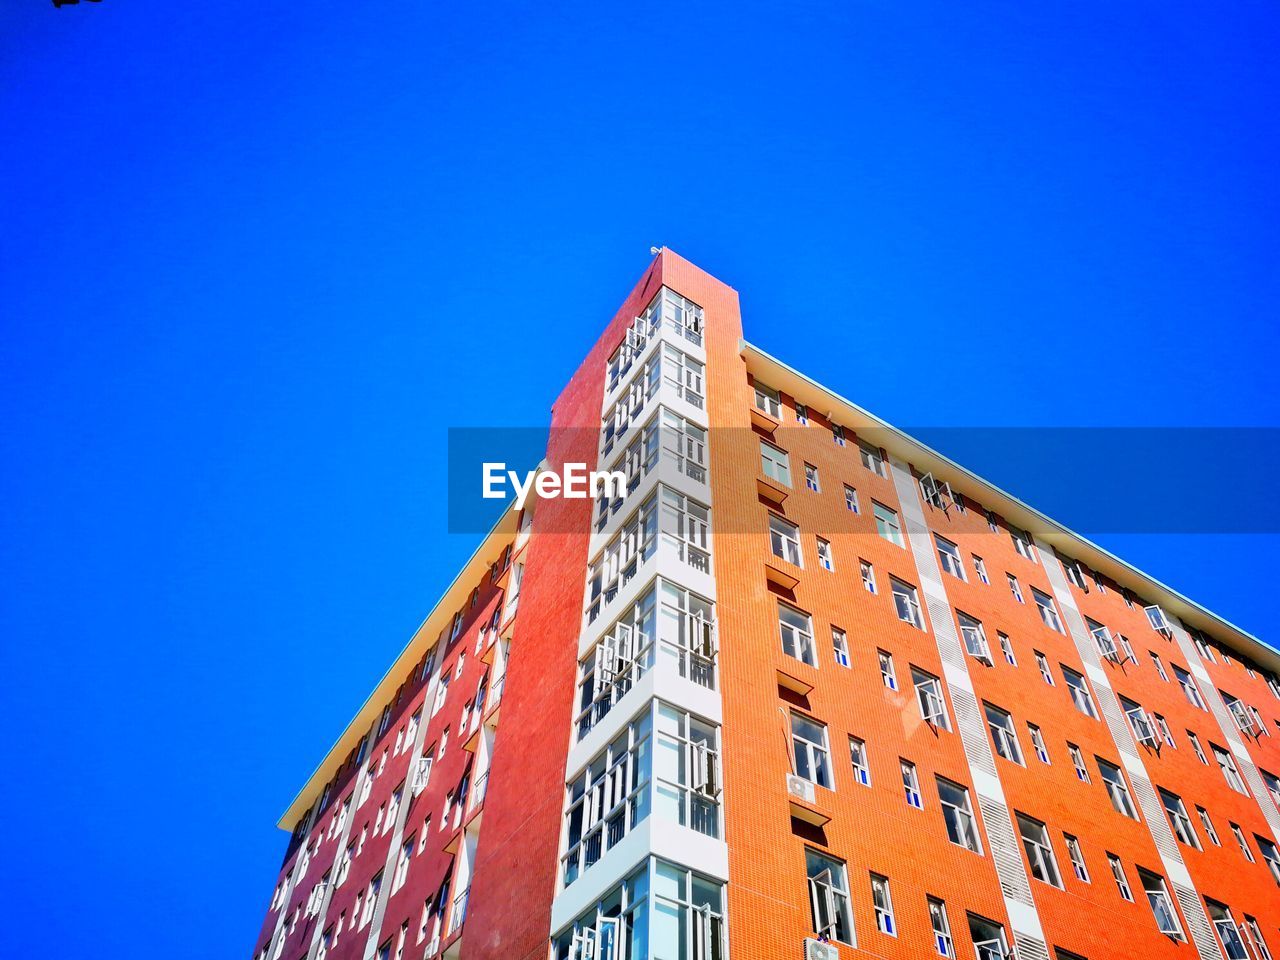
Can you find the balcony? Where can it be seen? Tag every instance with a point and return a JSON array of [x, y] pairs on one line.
[[478, 792], [625, 656], [458, 912]]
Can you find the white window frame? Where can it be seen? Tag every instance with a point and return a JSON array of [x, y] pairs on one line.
[[784, 540], [887, 523], [906, 600]]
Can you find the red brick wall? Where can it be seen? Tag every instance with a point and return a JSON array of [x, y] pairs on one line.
[[519, 846]]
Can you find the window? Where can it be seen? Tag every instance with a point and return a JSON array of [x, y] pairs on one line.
[[813, 758], [371, 899], [851, 499], [1080, 695], [1003, 734], [797, 634], [775, 463], [1178, 819], [1189, 688], [1159, 665], [784, 539], [949, 557], [1037, 741], [402, 864], [1117, 788], [1207, 824], [1042, 663], [1077, 858], [1240, 713], [871, 458], [613, 795], [829, 897], [840, 646], [888, 676], [1273, 785], [1048, 610], [1195, 745], [1232, 943], [1015, 588], [1244, 844], [767, 401], [825, 559], [1035, 841], [980, 568], [802, 414], [686, 771], [887, 523], [1254, 935], [989, 941], [1270, 856], [1161, 904], [1074, 574], [911, 785], [858, 757], [1162, 728], [1022, 543], [957, 814], [929, 696], [1139, 722], [1006, 647], [868, 576], [837, 434], [883, 903], [442, 691], [1122, 882], [1227, 764], [393, 808], [811, 478], [907, 603], [942, 941], [974, 637], [1077, 761]]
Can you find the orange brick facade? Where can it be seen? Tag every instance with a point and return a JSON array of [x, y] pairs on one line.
[[489, 883]]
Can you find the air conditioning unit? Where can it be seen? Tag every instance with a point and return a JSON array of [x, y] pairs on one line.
[[801, 788], [818, 950]]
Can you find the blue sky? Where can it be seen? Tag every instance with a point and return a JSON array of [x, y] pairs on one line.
[[255, 260]]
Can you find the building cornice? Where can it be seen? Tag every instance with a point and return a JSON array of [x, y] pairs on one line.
[[925, 459]]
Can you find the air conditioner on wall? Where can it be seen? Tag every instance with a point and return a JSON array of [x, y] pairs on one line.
[[801, 788], [817, 950]]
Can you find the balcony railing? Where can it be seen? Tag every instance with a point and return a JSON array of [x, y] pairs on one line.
[[459, 912], [495, 693], [478, 791]]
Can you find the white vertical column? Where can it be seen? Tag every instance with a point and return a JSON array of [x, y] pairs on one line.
[[1213, 700], [1127, 746], [1002, 835]]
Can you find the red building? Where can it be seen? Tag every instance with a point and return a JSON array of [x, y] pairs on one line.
[[808, 689]]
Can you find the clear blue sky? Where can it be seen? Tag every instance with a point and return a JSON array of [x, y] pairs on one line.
[[255, 259]]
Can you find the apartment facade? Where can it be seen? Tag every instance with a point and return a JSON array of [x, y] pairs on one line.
[[807, 690]]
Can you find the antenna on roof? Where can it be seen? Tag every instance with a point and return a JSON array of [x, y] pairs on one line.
[[655, 250]]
